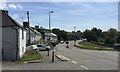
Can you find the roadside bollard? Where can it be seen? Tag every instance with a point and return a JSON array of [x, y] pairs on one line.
[[48, 53], [67, 46], [53, 56]]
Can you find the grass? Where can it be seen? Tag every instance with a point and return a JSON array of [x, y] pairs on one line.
[[92, 48], [29, 56], [90, 44], [52, 47], [117, 44]]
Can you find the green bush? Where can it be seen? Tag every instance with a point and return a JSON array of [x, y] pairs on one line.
[[109, 41]]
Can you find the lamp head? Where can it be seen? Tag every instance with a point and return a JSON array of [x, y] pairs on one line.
[[51, 12]]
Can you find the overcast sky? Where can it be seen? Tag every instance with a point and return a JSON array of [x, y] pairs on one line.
[[83, 15]]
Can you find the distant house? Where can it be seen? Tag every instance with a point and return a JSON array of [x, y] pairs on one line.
[[38, 35], [51, 36], [47, 35], [13, 37], [41, 30], [34, 35]]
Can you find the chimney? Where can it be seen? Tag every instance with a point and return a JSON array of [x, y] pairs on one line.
[[5, 11], [25, 24], [36, 27]]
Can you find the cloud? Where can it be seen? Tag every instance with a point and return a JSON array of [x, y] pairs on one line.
[[12, 6], [15, 16], [19, 6], [3, 4], [63, 0], [15, 6]]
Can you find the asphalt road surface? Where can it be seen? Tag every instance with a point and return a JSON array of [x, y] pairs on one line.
[[90, 59], [79, 59]]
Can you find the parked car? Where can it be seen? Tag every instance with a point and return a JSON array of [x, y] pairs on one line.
[[43, 47], [36, 50], [53, 44], [117, 47], [61, 42]]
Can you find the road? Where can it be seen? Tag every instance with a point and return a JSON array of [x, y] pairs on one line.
[[90, 59], [79, 59]]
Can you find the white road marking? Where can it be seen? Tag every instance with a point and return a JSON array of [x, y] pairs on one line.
[[84, 67], [74, 62]]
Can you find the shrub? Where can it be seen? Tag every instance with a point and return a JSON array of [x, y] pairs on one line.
[[109, 41]]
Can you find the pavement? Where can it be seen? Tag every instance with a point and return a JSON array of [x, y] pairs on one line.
[[77, 59]]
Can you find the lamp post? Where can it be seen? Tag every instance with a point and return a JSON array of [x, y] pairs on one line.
[[49, 23], [74, 36], [49, 29]]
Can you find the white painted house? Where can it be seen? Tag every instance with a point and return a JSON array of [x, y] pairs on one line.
[[53, 37], [13, 37]]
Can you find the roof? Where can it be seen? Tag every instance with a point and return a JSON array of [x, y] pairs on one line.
[[53, 34], [41, 27], [14, 21], [33, 31], [37, 32]]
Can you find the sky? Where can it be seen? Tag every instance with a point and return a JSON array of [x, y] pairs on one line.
[[67, 15]]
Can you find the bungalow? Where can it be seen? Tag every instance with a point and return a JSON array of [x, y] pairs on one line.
[[13, 37]]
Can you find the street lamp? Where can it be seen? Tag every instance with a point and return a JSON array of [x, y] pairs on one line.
[[74, 36], [49, 22], [49, 29], [49, 18]]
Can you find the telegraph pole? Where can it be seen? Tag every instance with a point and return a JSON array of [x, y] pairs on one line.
[[28, 27]]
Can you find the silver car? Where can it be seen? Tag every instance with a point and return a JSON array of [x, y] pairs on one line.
[[43, 47]]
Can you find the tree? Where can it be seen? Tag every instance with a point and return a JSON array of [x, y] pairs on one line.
[[109, 41], [118, 37], [112, 33], [90, 35], [62, 35], [97, 31]]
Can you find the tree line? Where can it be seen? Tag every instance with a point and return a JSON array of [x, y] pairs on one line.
[[109, 38]]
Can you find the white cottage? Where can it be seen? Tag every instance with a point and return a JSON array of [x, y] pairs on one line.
[[13, 37], [33, 36]]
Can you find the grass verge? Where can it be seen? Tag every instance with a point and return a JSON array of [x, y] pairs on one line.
[[92, 48], [52, 47], [90, 44], [29, 56]]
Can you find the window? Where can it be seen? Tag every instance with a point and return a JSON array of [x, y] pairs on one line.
[[22, 34], [39, 45]]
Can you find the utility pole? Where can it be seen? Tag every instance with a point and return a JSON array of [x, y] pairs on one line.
[[28, 27], [22, 19]]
